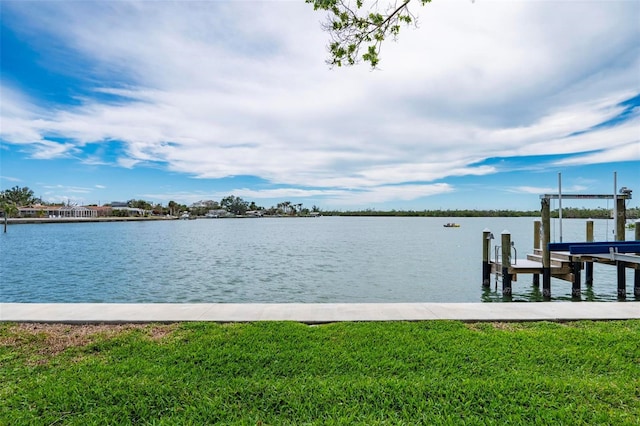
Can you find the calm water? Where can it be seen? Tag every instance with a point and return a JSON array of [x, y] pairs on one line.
[[326, 259]]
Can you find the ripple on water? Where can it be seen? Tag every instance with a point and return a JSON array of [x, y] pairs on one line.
[[269, 260]]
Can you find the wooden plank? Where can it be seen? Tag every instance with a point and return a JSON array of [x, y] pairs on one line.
[[525, 266], [555, 262]]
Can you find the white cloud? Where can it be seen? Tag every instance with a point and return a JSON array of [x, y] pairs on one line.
[[389, 193], [533, 190], [10, 179], [218, 89], [67, 188], [47, 150], [628, 152], [546, 190], [281, 193]]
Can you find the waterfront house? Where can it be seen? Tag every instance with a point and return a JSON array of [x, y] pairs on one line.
[[38, 210], [215, 213], [102, 211], [77, 212], [129, 211]]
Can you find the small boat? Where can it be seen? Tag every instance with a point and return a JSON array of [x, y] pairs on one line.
[[451, 225]]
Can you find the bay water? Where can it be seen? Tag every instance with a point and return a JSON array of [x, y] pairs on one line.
[[276, 260]]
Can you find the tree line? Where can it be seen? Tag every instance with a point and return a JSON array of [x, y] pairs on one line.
[[567, 213]]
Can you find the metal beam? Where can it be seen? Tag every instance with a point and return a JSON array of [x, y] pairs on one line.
[[585, 196]]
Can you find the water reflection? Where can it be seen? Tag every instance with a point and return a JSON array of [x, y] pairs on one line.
[[560, 291], [528, 293]]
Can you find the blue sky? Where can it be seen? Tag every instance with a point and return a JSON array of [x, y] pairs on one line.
[[480, 107]]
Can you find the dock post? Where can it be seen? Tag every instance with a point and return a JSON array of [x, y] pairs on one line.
[[546, 254], [486, 256], [588, 267], [575, 283], [506, 263], [622, 279], [536, 246], [621, 219], [636, 273]]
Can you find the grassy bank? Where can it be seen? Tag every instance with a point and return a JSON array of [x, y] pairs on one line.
[[347, 373]]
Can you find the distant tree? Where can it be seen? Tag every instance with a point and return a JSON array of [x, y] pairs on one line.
[[119, 213], [140, 204], [198, 211], [9, 208], [357, 26], [235, 205], [158, 209], [173, 208], [286, 207], [19, 196]]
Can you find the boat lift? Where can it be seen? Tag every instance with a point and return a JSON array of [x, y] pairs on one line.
[[565, 260]]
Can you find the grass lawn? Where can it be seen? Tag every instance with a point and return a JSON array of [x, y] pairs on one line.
[[275, 373]]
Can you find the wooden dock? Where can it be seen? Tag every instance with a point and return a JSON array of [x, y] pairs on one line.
[[561, 266], [562, 263], [565, 261]]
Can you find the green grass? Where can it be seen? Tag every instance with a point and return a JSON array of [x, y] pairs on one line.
[[346, 373]]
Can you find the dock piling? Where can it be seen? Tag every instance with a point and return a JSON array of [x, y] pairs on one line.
[[546, 254], [506, 262], [537, 226], [621, 218], [636, 273], [486, 257], [622, 279], [588, 267], [576, 267], [620, 222]]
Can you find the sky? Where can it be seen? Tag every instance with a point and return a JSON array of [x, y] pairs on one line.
[[483, 105]]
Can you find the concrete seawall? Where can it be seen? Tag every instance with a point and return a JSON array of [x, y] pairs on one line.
[[312, 313]]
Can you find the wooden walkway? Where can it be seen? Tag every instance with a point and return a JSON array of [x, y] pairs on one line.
[[561, 266]]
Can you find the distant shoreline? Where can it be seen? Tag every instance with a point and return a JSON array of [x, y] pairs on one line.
[[37, 220], [31, 220], [42, 220]]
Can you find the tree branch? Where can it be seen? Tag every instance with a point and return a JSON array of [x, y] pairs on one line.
[[355, 29]]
